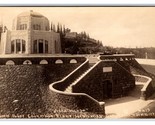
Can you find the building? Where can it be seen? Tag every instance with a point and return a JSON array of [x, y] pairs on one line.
[[71, 35], [30, 34]]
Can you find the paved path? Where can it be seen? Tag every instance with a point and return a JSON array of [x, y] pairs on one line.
[[125, 106], [146, 61]]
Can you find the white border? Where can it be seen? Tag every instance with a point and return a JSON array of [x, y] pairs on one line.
[[77, 2]]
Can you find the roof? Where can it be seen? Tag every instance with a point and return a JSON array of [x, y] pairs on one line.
[[30, 13]]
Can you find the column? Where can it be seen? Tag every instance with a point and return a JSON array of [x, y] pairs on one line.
[[15, 47], [43, 46], [37, 46], [21, 48]]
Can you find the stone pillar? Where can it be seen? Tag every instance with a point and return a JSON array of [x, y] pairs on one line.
[[29, 39], [21, 48], [37, 46], [143, 95], [102, 104], [43, 46], [15, 47]]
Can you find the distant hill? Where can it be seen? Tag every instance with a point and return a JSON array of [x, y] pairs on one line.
[[145, 52], [77, 43], [80, 43]]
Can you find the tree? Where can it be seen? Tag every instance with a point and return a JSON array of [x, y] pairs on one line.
[[51, 26], [64, 30], [58, 28], [54, 28]]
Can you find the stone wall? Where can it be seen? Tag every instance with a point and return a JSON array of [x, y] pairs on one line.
[[75, 101], [24, 88], [147, 89], [92, 83], [19, 60]]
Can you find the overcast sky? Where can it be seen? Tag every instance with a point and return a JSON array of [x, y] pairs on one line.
[[114, 26]]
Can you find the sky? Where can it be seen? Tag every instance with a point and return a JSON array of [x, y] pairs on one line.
[[114, 26]]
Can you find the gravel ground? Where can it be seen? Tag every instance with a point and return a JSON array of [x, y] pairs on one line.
[[24, 93]]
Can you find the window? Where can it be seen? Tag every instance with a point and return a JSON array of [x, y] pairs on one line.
[[46, 28], [59, 61], [12, 46], [18, 46], [22, 26], [35, 46], [39, 27], [40, 46], [23, 46], [73, 61], [10, 62], [27, 62], [43, 62], [25, 26], [36, 27]]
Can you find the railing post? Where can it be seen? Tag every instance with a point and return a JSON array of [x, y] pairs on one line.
[[143, 95], [102, 105]]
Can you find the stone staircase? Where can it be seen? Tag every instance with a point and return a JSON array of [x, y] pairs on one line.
[[69, 88]]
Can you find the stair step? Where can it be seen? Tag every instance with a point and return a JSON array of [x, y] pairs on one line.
[[69, 88]]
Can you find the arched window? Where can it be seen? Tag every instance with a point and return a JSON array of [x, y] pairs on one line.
[[12, 46], [40, 46], [23, 45], [43, 62], [18, 46], [59, 61], [10, 62], [73, 61], [27, 62]]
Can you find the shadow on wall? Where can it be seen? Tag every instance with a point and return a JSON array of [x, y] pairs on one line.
[[74, 101], [107, 79]]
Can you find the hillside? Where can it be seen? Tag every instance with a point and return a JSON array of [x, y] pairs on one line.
[[77, 43]]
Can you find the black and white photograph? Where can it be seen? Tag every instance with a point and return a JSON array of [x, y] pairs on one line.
[[77, 62]]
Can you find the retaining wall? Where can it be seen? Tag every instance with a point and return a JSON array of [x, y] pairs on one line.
[[76, 101], [23, 88], [147, 89], [92, 83], [37, 59]]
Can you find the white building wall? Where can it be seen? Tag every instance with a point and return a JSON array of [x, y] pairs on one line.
[[29, 35]]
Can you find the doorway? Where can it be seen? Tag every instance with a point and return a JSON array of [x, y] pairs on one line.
[[107, 88], [40, 47]]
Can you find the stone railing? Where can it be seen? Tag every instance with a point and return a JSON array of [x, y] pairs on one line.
[[118, 57], [89, 74], [75, 101], [36, 59], [147, 89]]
